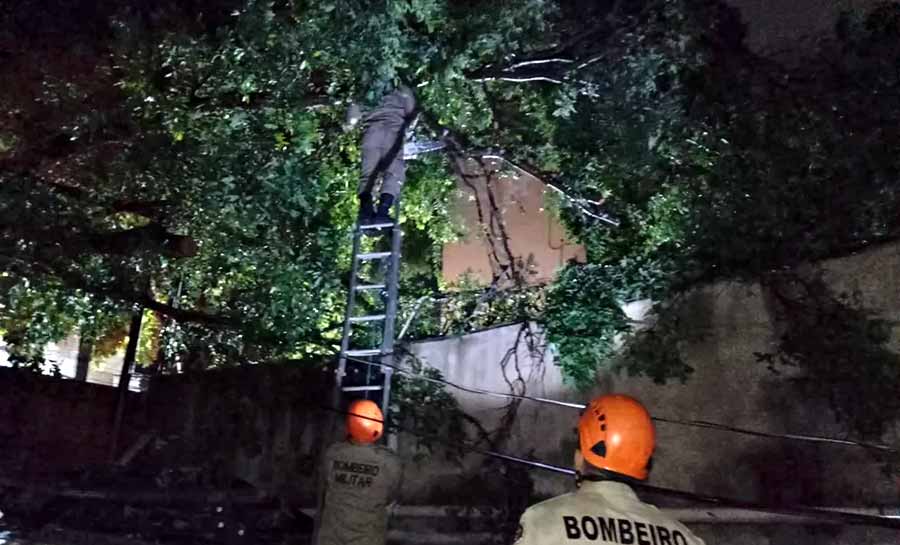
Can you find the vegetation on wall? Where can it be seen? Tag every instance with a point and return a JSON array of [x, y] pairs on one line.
[[844, 348]]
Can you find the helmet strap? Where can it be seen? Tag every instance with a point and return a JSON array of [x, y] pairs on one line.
[[595, 475]]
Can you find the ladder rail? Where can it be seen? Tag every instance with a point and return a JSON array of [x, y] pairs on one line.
[[351, 302], [389, 288], [393, 287]]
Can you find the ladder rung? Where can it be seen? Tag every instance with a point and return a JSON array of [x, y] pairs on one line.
[[362, 388], [364, 352], [370, 318], [373, 255], [365, 287], [375, 226]]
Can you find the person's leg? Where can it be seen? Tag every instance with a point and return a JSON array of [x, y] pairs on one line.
[[371, 155], [394, 177], [366, 206]]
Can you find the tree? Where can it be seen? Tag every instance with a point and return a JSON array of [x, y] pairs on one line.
[[201, 146], [724, 165], [211, 155]]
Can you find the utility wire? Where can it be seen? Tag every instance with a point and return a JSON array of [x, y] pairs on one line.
[[792, 436], [581, 406], [470, 389], [578, 202], [845, 517]]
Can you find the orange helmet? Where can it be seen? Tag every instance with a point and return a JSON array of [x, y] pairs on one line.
[[616, 434], [365, 423]]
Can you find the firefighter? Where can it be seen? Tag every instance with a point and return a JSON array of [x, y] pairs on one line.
[[384, 131], [357, 482], [616, 440]]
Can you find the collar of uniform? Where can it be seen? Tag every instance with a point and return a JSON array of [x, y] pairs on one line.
[[607, 488]]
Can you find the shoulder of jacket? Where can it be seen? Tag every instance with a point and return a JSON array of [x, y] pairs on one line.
[[338, 447], [381, 448], [386, 452], [548, 505]]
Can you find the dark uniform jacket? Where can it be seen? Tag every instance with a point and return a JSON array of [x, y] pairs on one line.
[[356, 485], [382, 143]]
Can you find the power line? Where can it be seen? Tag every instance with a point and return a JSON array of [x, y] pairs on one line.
[[581, 406], [690, 423], [792, 436], [811, 512], [470, 389]]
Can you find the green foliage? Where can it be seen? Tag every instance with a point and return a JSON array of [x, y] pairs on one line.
[[236, 136], [38, 308], [206, 150], [654, 351], [583, 336], [428, 412], [719, 165], [468, 307]]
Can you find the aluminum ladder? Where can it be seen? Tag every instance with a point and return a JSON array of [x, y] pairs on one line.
[[368, 380], [377, 379]]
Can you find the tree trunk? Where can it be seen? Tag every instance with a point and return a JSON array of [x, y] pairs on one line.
[[85, 351], [134, 332]]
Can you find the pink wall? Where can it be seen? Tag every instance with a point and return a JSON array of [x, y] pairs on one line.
[[535, 234]]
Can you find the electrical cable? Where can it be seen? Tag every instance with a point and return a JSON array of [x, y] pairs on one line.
[[578, 202], [689, 423], [581, 406], [791, 436], [849, 518], [470, 389]]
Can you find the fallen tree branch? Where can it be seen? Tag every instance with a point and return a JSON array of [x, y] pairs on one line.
[[577, 201]]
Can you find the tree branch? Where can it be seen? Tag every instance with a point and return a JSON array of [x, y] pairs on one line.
[[186, 315], [61, 240], [459, 146], [554, 66], [576, 201], [40, 267]]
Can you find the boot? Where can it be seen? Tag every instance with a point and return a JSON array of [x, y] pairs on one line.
[[382, 215], [366, 208]]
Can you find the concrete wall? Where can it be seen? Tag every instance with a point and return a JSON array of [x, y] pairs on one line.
[[49, 425], [501, 360], [728, 386], [262, 425]]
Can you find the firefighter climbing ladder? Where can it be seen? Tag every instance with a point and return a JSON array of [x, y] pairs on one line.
[[368, 382]]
